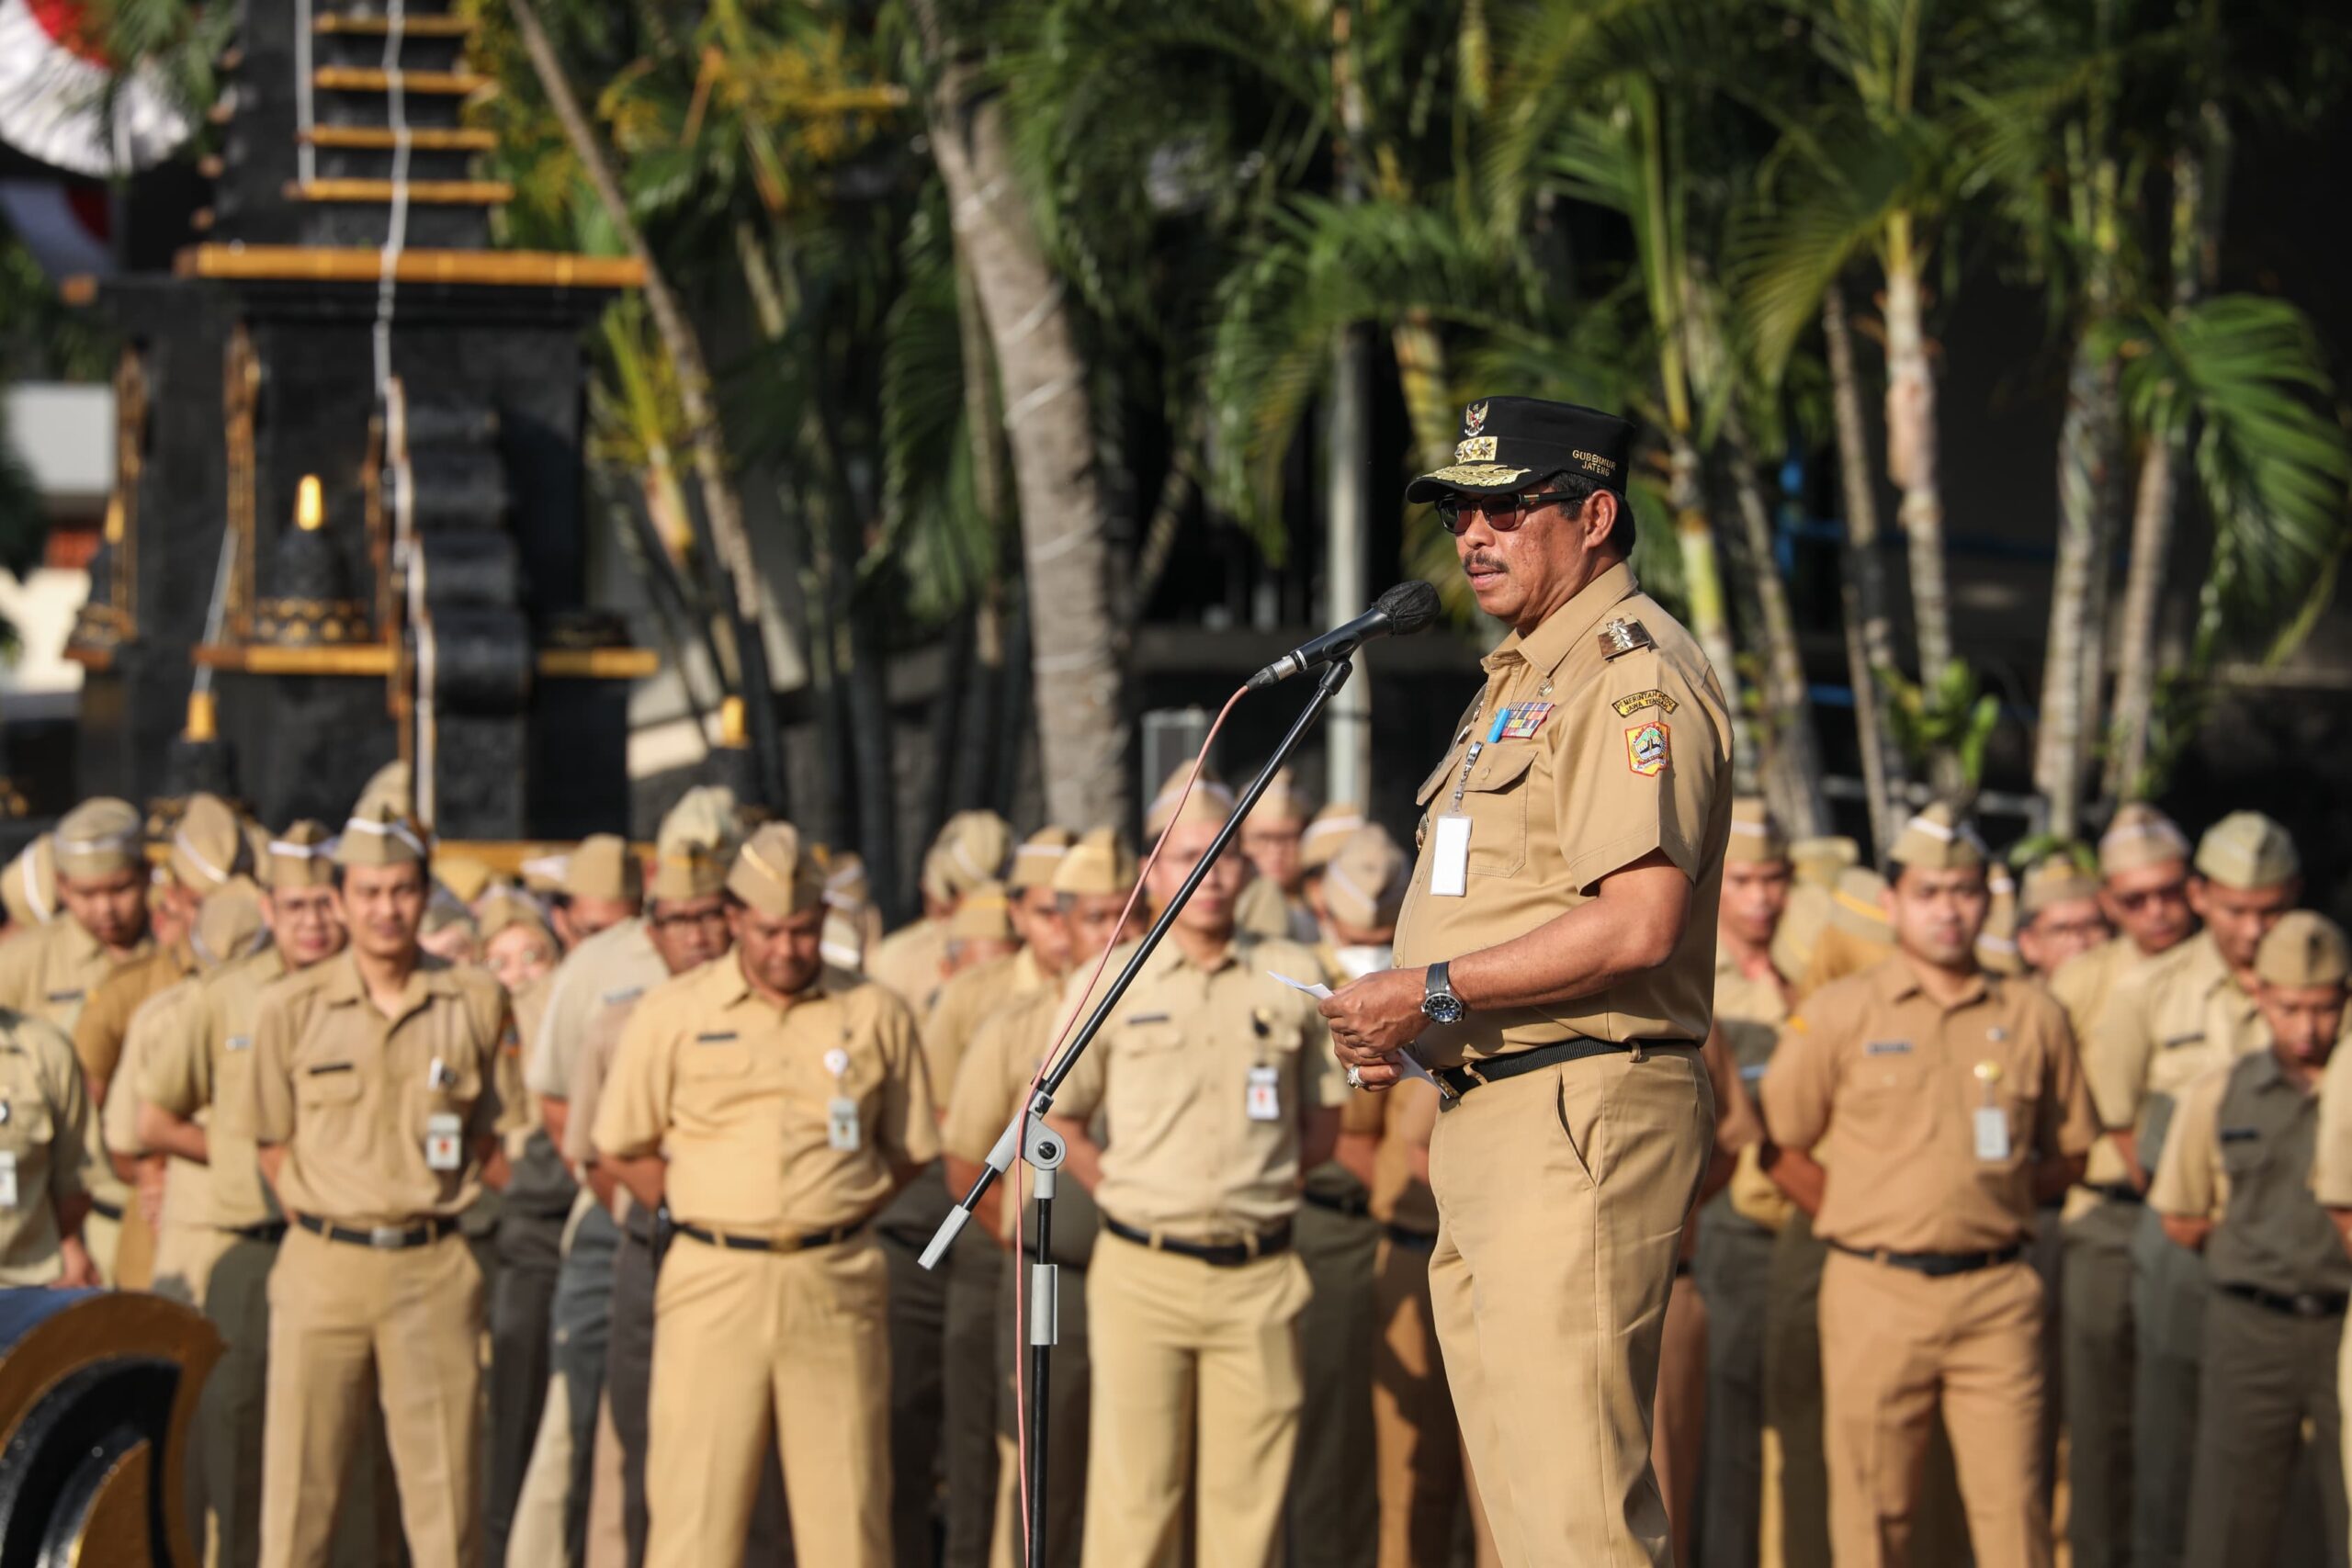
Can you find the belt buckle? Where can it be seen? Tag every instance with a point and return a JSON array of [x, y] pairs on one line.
[[387, 1238]]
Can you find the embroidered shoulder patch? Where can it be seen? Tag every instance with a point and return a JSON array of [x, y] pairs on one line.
[[1646, 748], [1628, 706]]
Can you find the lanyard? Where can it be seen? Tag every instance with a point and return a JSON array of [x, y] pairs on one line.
[[1470, 757]]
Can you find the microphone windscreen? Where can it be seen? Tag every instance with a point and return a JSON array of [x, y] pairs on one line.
[[1409, 606]]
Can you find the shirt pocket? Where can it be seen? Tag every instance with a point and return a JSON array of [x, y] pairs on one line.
[[1887, 1104], [26, 1124], [327, 1097], [1495, 799]]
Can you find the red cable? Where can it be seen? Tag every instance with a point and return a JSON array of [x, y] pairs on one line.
[[1029, 1527]]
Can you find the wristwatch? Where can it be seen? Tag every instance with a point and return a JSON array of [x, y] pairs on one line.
[[1439, 1004]]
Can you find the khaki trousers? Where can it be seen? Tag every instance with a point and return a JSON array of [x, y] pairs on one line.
[[1333, 1515], [351, 1323], [1196, 1391], [1903, 1349], [185, 1259], [102, 1237], [1561, 1195], [2094, 1311], [2262, 1386], [537, 1538], [1680, 1434], [750, 1346]]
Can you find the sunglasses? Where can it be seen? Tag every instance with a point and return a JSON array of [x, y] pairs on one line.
[[1504, 514]]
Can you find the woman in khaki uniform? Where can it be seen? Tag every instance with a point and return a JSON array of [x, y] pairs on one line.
[[774, 1109], [376, 1114]]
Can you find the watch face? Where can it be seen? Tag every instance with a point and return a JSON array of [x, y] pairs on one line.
[[1443, 1009]]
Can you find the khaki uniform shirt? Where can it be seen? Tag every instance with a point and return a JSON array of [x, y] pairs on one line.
[[2240, 1154], [2332, 1161], [1264, 909], [206, 1075], [99, 1033], [168, 1015], [49, 1132], [350, 1092], [738, 1095], [1170, 1075], [1634, 756], [600, 1044], [993, 1079], [2171, 1020], [614, 964], [52, 972], [967, 999], [2084, 986], [908, 962], [1884, 1084]]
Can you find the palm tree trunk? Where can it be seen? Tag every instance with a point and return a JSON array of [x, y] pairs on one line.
[[1793, 771], [1702, 582], [1869, 634], [2061, 738], [1049, 423], [712, 469], [1911, 463]]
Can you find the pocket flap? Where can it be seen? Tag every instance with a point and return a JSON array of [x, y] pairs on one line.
[[1500, 768], [328, 1083]]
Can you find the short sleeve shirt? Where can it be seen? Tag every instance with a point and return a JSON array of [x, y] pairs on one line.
[[739, 1096], [2084, 985], [994, 1078], [170, 1014], [50, 973], [353, 1095], [2331, 1162], [49, 1133], [2171, 1020], [617, 963], [1611, 741], [1173, 1074], [2240, 1154], [1885, 1085], [206, 1075], [962, 1003], [907, 962]]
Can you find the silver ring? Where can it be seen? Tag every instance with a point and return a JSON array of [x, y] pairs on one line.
[[1355, 1077]]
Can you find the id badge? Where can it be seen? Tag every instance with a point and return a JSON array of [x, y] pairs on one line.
[[841, 1124], [7, 1181], [445, 1146], [1450, 862], [1992, 1133], [1264, 1101]]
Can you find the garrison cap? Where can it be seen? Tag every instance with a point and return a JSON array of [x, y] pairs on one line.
[[2140, 835], [1040, 853], [842, 944], [506, 907], [776, 874], [985, 915], [1100, 862], [1283, 802], [100, 838], [1755, 836], [603, 866], [1326, 833], [690, 848], [229, 923], [2247, 850], [378, 835], [443, 911], [1939, 839], [302, 857], [1855, 907], [209, 844], [975, 844], [542, 872], [1996, 941], [28, 886], [2303, 949], [1819, 861], [392, 783], [463, 876], [2057, 877], [1364, 885], [1210, 801], [1507, 442], [846, 884]]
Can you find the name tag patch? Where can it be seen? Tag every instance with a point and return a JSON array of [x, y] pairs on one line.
[[238, 1042], [2177, 1040], [2240, 1134], [1887, 1048], [715, 1037]]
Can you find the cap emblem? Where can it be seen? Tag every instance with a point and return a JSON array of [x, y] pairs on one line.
[[1473, 420]]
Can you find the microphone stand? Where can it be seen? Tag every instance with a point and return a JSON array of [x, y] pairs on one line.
[[1026, 1136]]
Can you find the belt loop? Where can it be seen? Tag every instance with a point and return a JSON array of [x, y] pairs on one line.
[[1638, 1050], [1157, 1239], [1251, 1240]]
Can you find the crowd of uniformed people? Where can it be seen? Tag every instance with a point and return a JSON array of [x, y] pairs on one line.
[[571, 1217]]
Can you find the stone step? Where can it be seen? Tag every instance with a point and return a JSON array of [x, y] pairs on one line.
[[369, 79], [442, 193], [378, 26], [379, 138]]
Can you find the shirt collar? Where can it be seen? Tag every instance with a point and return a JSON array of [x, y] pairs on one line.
[[1898, 981], [2262, 1071], [727, 986], [345, 983], [1549, 645]]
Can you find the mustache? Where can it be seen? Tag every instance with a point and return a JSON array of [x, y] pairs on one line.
[[1483, 562]]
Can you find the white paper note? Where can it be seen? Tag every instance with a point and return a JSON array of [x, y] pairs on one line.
[[1405, 1062]]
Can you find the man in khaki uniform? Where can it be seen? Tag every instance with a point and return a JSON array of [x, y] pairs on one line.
[[774, 1111], [2059, 918], [970, 849], [29, 888], [102, 881], [2143, 890], [1273, 904], [376, 1114], [1733, 1268], [1561, 931], [1332, 828], [965, 1350], [1334, 1517], [603, 885], [1090, 886], [1215, 1089], [196, 1104], [1945, 1104], [2236, 1184], [49, 1153], [2171, 1020]]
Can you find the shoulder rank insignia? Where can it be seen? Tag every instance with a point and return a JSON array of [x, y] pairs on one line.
[[1621, 637], [1628, 706], [1646, 748], [1522, 721]]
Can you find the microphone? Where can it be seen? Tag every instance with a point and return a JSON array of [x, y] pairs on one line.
[[1404, 609]]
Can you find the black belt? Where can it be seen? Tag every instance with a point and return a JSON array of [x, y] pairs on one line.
[[1216, 1254], [2116, 1191], [111, 1211], [1461, 1081], [1355, 1205], [270, 1231], [1935, 1265], [384, 1239], [734, 1242], [2309, 1304], [1414, 1241]]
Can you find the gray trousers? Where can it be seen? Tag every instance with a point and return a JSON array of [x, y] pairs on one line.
[[1334, 1513], [2097, 1364], [1734, 1273]]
